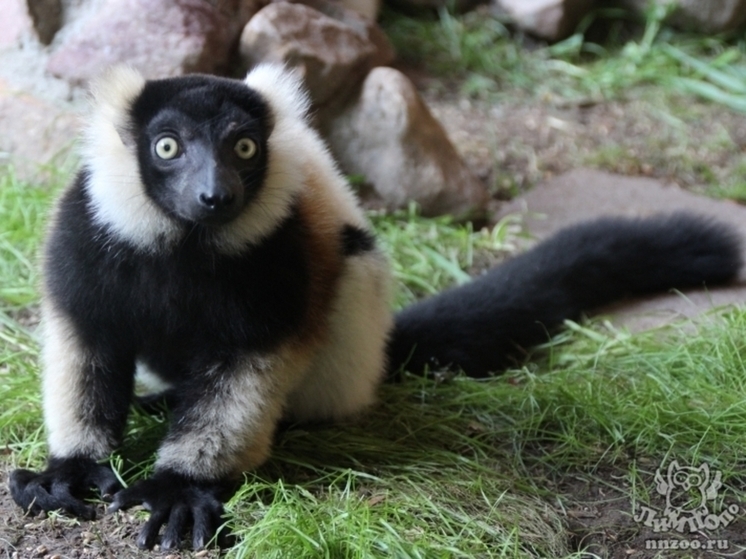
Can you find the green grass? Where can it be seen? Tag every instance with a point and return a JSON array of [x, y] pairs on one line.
[[22, 214], [458, 468], [428, 255], [485, 56], [22, 219]]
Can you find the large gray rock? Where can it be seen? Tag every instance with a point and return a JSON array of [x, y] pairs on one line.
[[585, 194], [710, 16], [552, 20], [333, 48], [158, 37], [15, 22], [35, 132], [389, 137]]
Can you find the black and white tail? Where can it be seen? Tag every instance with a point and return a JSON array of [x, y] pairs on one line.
[[479, 327]]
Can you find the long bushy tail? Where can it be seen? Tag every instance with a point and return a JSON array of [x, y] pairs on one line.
[[479, 327]]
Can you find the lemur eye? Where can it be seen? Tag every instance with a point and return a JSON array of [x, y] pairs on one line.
[[245, 148], [167, 148]]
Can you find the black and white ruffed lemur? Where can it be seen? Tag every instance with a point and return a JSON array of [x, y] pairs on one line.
[[209, 240]]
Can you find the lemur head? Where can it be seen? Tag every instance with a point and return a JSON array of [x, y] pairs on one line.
[[167, 156], [201, 146]]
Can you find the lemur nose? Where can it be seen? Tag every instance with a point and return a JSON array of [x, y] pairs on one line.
[[216, 201]]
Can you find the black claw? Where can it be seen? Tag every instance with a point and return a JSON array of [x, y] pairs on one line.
[[123, 500], [113, 507], [169, 543], [149, 532], [146, 538], [225, 538], [107, 483], [204, 528], [177, 523]]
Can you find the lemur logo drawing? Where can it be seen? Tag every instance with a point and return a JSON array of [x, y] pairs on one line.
[[687, 491]]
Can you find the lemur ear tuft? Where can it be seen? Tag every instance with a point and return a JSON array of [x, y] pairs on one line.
[[282, 87], [113, 94]]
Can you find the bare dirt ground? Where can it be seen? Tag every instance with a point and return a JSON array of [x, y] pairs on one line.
[[603, 521], [515, 145], [60, 537]]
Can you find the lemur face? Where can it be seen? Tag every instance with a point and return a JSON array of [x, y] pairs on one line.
[[201, 146]]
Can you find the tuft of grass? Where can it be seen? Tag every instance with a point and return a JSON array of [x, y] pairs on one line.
[[428, 255], [20, 402], [717, 80], [392, 518], [678, 391], [23, 210], [480, 51]]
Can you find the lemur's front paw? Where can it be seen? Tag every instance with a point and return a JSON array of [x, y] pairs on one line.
[[62, 485], [176, 501]]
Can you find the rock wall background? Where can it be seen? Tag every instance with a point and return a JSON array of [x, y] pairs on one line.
[[377, 125]]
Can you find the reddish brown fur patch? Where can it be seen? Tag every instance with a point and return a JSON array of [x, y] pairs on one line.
[[324, 250]]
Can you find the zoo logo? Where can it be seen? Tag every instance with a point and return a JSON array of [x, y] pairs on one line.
[[687, 491]]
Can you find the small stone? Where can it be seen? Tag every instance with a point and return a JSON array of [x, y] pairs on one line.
[[552, 20], [390, 137], [369, 9], [429, 5], [35, 132], [15, 22]]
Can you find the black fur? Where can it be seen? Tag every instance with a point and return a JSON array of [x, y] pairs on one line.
[[356, 241], [181, 310], [478, 327], [184, 312]]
